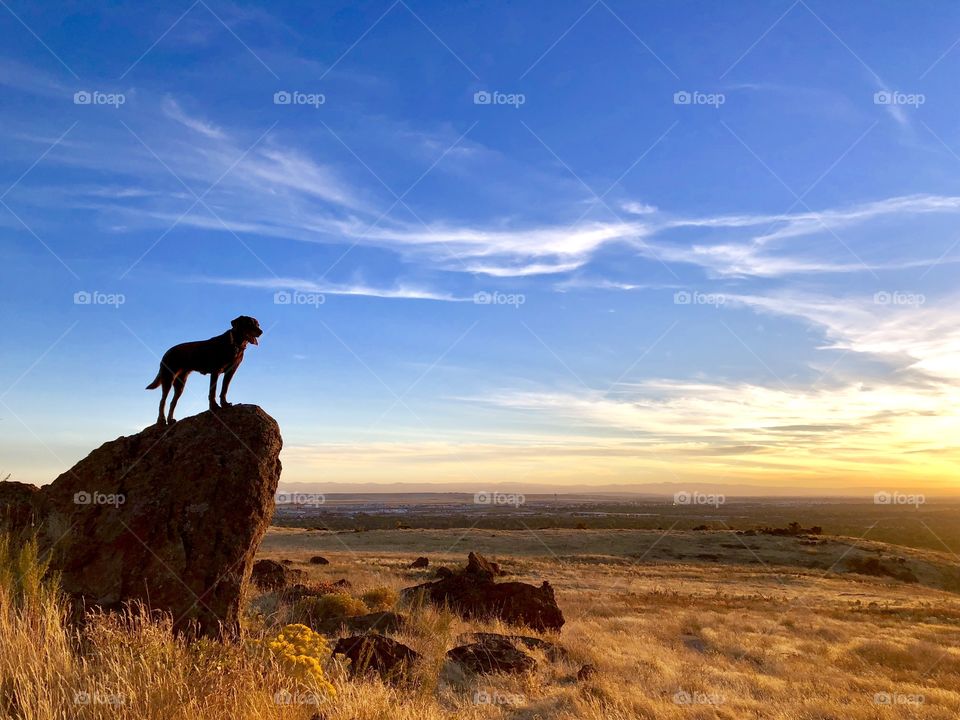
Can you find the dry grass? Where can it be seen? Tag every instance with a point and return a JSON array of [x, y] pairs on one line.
[[774, 639]]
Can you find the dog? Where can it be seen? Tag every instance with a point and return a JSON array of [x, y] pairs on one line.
[[220, 354]]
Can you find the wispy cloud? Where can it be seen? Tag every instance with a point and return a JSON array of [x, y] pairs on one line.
[[399, 291]]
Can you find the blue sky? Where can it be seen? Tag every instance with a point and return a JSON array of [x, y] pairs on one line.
[[537, 242]]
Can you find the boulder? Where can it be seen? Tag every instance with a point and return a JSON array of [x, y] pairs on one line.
[[319, 560], [376, 654], [473, 593], [171, 517], [271, 575], [443, 572], [420, 562], [381, 622], [492, 654]]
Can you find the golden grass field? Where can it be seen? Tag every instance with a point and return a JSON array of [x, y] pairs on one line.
[[679, 625]]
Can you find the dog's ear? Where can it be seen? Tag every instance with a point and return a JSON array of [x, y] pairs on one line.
[[236, 322]]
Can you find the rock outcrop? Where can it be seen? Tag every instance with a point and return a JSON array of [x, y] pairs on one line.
[[170, 517], [473, 593]]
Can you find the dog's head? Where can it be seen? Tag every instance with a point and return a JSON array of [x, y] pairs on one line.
[[248, 328]]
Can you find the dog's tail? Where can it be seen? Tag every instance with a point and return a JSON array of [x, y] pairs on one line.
[[156, 382]]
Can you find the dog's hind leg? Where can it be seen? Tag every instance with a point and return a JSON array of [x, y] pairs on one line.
[[213, 389], [165, 380], [178, 382]]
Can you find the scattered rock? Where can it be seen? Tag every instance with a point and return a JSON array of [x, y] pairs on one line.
[[381, 622], [492, 654], [376, 653], [171, 517], [420, 562], [586, 672], [554, 652], [443, 572], [692, 642], [319, 560], [473, 593], [271, 575]]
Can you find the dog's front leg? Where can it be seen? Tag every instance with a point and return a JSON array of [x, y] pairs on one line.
[[227, 377], [213, 390]]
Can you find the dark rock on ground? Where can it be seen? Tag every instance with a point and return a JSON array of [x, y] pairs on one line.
[[443, 572], [473, 593], [381, 622], [271, 575], [319, 560], [420, 562], [376, 654], [171, 517], [586, 672], [554, 652], [492, 654]]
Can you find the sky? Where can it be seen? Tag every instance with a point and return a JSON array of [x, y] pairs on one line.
[[546, 243]]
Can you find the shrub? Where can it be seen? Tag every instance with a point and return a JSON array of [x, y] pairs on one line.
[[302, 651], [380, 598], [315, 609]]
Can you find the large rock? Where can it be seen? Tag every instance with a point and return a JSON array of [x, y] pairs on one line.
[[473, 593], [271, 575], [171, 517]]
